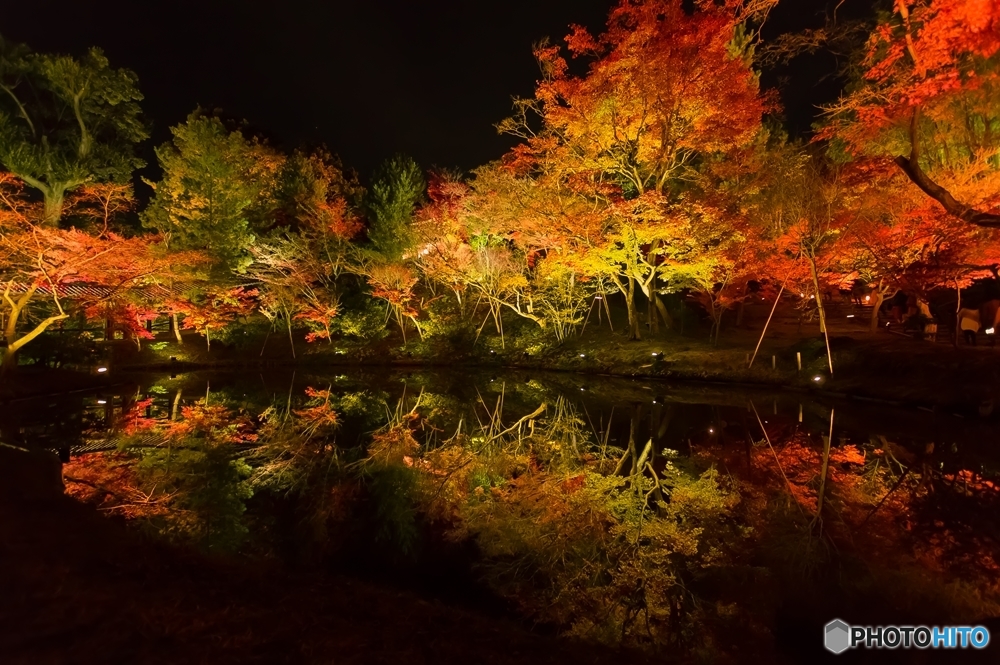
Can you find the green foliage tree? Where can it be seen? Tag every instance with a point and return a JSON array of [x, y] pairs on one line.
[[397, 188], [217, 191], [67, 122]]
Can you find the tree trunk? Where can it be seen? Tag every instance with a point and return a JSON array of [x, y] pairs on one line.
[[879, 299], [827, 440], [958, 316], [656, 308], [8, 363], [633, 315], [176, 328], [651, 315], [668, 322], [53, 206]]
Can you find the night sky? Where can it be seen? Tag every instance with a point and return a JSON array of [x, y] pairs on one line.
[[368, 79]]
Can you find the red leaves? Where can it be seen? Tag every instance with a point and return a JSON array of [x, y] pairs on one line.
[[924, 55], [127, 317], [394, 283], [214, 422], [319, 317], [319, 414], [216, 309]]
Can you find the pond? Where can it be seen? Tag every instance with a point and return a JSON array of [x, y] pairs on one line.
[[715, 520]]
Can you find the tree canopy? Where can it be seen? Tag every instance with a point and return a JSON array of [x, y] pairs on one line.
[[67, 122]]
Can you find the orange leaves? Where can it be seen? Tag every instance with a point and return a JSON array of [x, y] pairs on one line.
[[319, 415], [124, 316], [319, 318], [134, 419], [666, 81], [662, 83], [847, 455], [214, 422], [924, 55], [216, 309], [394, 282]]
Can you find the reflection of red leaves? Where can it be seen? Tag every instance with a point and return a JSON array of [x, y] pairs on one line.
[[967, 482], [216, 421], [135, 419], [574, 484], [847, 455], [109, 482], [319, 413]]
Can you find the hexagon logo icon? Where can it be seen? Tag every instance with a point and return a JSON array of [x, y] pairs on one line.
[[837, 637]]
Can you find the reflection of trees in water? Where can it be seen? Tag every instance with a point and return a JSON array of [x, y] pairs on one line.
[[565, 530], [873, 498], [627, 523]]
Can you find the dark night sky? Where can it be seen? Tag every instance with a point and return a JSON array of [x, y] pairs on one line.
[[368, 79]]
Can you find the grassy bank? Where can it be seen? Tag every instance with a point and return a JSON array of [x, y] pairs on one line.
[[884, 367]]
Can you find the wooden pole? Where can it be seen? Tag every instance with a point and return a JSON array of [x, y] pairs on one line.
[[766, 324], [818, 519]]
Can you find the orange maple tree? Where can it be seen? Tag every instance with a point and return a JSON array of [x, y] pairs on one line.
[[668, 91], [927, 99]]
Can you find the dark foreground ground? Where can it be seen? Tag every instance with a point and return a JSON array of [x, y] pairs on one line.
[[78, 588]]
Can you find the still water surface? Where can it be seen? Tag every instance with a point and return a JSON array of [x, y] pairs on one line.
[[908, 498]]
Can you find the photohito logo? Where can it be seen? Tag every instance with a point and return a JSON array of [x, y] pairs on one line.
[[838, 637]]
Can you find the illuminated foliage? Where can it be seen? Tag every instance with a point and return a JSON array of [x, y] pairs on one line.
[[927, 99], [667, 92], [212, 311], [39, 262], [67, 122], [217, 191]]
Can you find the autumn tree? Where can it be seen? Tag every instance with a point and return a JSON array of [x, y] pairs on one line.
[[214, 309], [67, 122], [666, 90], [38, 263], [507, 243], [101, 205], [927, 98], [297, 265], [902, 240], [390, 204], [217, 191]]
